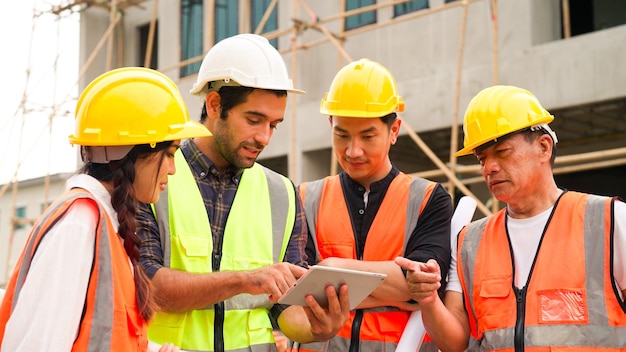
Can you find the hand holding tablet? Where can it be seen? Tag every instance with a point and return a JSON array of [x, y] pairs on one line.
[[314, 282]]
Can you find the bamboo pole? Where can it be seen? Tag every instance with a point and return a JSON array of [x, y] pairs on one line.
[[589, 166], [406, 17], [334, 164], [454, 133], [376, 6], [313, 43], [244, 22], [266, 16], [326, 32], [112, 16], [567, 169], [148, 57], [182, 63], [292, 157], [53, 113], [495, 35], [590, 156], [343, 14], [11, 231], [582, 159], [120, 44], [435, 159], [495, 204], [95, 51], [209, 40], [567, 29]]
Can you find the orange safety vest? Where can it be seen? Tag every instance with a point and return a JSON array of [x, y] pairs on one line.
[[111, 320], [570, 301], [331, 228]]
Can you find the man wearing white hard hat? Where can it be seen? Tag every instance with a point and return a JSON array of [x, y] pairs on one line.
[[230, 235]]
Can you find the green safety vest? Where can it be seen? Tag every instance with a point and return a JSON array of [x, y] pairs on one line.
[[264, 204]]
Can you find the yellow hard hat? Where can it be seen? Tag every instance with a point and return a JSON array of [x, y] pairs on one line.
[[130, 106], [497, 111], [362, 88]]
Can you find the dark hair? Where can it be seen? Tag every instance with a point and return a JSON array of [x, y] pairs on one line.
[[532, 135], [232, 96], [389, 119], [122, 174]]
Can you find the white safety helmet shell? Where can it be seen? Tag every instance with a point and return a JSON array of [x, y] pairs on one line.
[[249, 60]]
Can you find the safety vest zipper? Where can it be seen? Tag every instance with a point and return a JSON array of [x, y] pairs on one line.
[[218, 329], [520, 321], [356, 331]]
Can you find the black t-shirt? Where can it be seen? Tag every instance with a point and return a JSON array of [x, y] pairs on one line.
[[430, 239]]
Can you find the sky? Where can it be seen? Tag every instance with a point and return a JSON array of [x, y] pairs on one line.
[[39, 66]]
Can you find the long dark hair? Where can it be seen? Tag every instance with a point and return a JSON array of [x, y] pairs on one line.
[[122, 175]]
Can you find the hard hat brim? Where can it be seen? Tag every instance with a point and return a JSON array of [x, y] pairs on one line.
[[201, 90], [190, 129]]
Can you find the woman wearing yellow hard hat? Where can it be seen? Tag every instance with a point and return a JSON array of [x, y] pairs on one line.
[[77, 285]]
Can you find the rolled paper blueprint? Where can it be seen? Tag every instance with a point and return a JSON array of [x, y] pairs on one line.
[[414, 331]]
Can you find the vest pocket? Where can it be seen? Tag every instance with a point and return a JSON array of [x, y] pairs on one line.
[[167, 328], [562, 306], [135, 328], [495, 305], [195, 253], [337, 249], [259, 327]]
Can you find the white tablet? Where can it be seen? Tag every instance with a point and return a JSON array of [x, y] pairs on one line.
[[360, 285]]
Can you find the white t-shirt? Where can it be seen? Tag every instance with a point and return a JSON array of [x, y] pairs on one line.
[[47, 315], [525, 235]]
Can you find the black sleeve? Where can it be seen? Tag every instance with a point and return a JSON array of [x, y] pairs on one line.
[[276, 310], [431, 237], [311, 255], [309, 250]]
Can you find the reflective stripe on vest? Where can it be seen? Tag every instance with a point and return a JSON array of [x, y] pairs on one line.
[[264, 204], [331, 229], [573, 308], [111, 320]]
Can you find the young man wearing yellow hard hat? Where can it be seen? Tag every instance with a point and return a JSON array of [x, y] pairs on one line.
[[546, 273], [371, 212]]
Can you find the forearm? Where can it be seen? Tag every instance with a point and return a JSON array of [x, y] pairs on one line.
[[448, 329], [182, 291], [179, 291], [430, 239]]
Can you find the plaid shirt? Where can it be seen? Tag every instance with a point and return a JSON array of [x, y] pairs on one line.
[[218, 190]]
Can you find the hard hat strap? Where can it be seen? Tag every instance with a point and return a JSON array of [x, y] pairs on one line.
[[214, 86], [547, 130]]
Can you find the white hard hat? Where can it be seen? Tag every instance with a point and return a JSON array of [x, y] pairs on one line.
[[247, 59]]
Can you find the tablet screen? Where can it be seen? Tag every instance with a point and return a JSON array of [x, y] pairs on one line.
[[360, 285]]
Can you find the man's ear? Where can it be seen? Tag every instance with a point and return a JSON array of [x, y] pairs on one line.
[[213, 103], [546, 144], [395, 130]]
